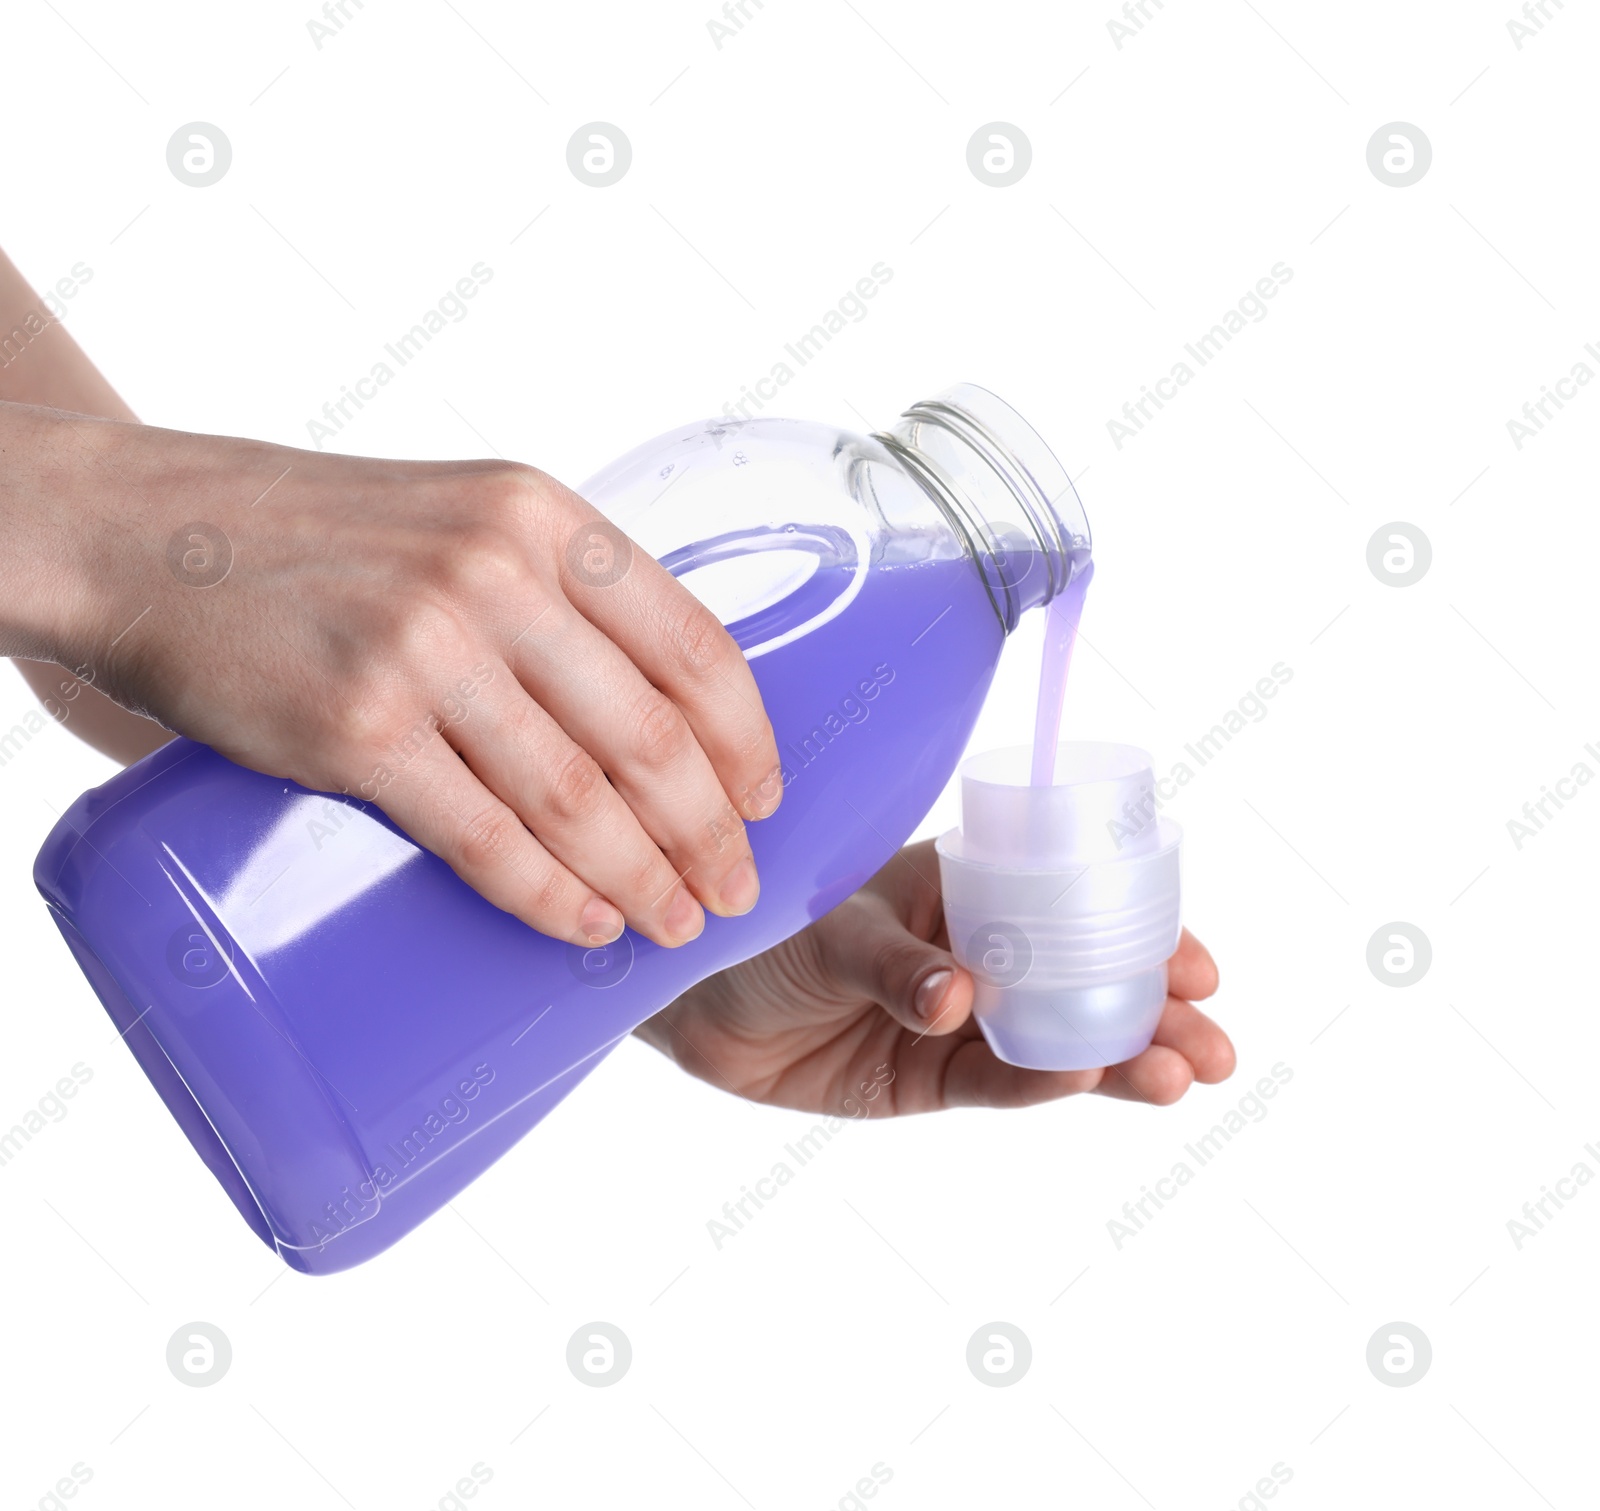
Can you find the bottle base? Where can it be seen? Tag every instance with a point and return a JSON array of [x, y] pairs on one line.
[[1082, 1028]]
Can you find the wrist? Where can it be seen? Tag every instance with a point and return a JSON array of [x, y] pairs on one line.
[[50, 605]]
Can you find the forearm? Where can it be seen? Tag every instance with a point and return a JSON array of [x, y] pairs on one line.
[[40, 364]]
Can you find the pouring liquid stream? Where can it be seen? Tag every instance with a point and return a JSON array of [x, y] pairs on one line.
[[1060, 635]]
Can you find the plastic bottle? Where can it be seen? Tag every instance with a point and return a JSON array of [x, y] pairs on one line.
[[349, 1034]]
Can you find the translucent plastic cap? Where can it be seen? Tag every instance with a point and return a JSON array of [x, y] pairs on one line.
[[1063, 903]]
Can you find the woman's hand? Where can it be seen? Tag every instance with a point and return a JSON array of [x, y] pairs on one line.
[[868, 1003], [469, 645]]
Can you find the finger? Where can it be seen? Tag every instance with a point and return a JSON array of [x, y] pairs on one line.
[[558, 791], [976, 1077], [1191, 973], [1201, 1042], [1187, 1047], [868, 952], [648, 750], [910, 885], [1158, 1077], [683, 650], [437, 800]]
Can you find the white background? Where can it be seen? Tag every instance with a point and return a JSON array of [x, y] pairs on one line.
[[1231, 534]]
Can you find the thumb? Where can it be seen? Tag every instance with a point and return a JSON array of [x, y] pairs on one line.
[[870, 952]]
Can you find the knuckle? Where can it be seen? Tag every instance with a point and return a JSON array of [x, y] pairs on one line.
[[493, 489], [660, 732], [550, 896], [486, 840], [514, 496], [483, 559], [699, 641], [365, 726], [896, 961], [422, 633], [576, 786], [511, 486], [378, 722]]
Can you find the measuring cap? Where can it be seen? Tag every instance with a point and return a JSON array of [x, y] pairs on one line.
[[1062, 901]]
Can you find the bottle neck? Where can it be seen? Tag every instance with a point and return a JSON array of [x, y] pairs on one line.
[[1002, 490]]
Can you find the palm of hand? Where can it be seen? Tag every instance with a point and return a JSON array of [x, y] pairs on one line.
[[828, 1020]]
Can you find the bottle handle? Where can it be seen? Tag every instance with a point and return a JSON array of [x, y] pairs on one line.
[[826, 591]]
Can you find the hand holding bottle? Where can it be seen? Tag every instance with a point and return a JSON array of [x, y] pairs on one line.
[[581, 747]]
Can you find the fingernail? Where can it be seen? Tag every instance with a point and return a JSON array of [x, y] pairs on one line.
[[740, 888], [685, 919], [601, 923], [931, 991]]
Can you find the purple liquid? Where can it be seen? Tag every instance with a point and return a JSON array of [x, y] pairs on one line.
[[1060, 635], [349, 1034]]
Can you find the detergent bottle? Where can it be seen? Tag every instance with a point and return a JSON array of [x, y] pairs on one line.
[[349, 1034]]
